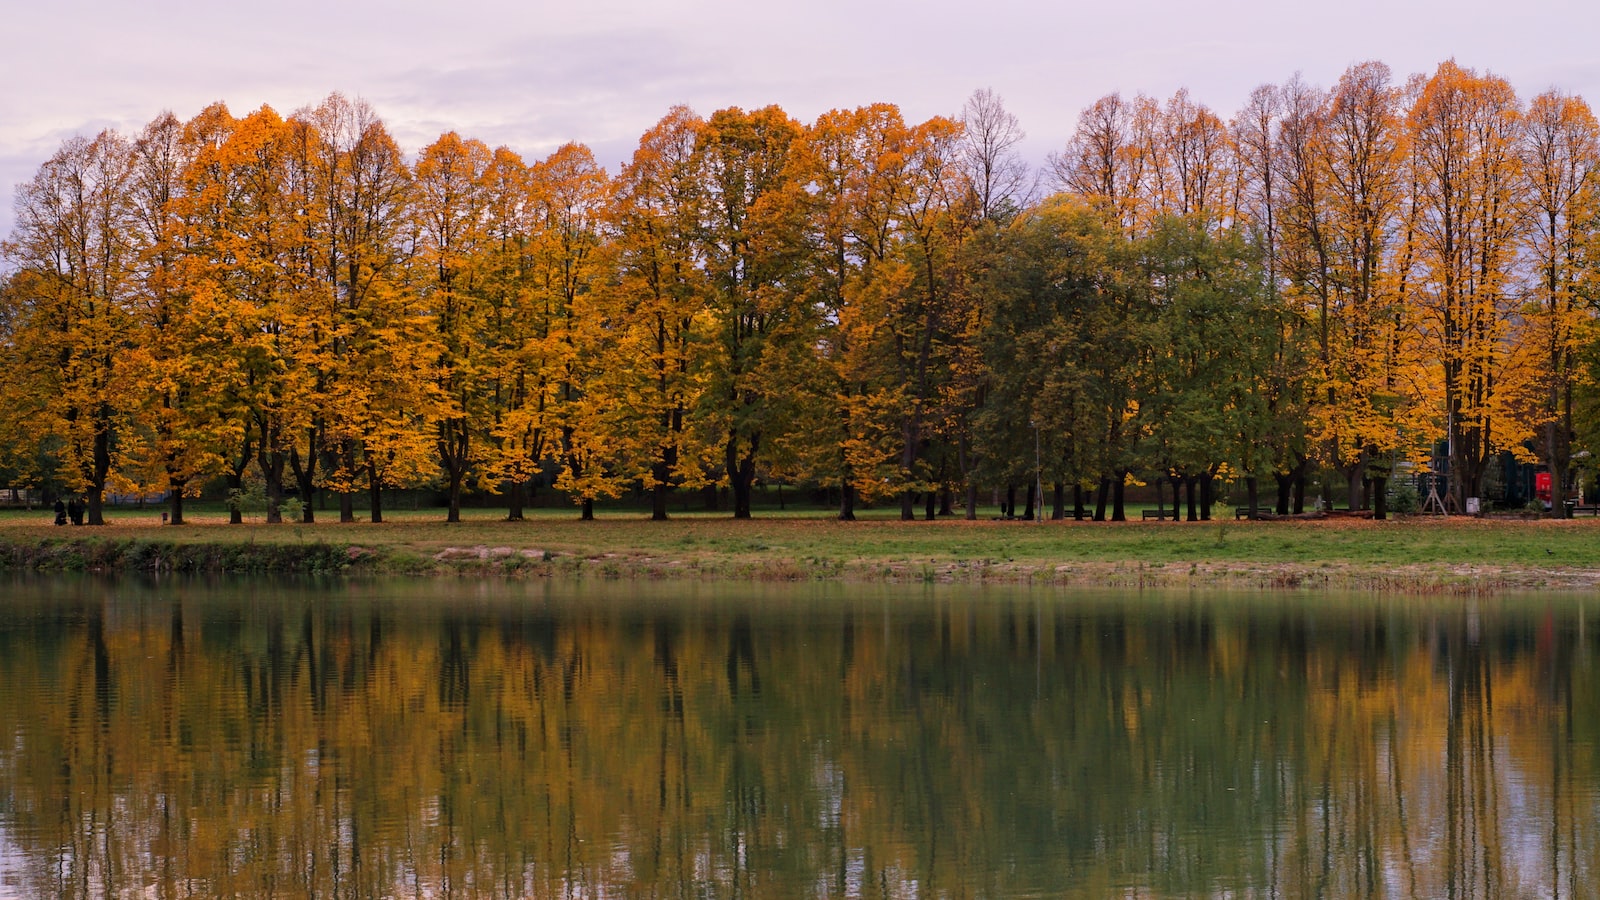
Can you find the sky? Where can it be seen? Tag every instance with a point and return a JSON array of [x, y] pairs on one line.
[[535, 74]]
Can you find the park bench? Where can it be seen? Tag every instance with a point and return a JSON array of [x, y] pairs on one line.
[[1159, 514], [1243, 512]]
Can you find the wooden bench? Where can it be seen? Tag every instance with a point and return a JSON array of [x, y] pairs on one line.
[[1243, 512], [1159, 514]]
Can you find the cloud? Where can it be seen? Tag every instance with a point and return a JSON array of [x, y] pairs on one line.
[[535, 74]]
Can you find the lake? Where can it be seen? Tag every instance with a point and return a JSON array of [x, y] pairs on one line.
[[451, 738]]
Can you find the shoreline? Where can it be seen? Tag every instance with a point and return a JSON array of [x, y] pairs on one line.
[[118, 555]]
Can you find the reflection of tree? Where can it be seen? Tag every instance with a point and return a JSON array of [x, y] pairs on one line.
[[176, 743]]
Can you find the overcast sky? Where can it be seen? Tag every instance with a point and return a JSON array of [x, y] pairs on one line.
[[533, 75]]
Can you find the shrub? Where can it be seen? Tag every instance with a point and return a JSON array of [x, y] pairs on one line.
[[1403, 499]]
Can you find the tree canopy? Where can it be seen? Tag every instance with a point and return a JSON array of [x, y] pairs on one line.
[[1379, 275]]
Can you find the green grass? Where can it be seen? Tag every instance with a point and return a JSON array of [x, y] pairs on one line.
[[1429, 553]]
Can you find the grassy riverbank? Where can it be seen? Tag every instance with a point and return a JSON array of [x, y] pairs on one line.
[[1424, 555]]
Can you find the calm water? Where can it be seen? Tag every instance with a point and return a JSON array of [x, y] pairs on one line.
[[457, 739]]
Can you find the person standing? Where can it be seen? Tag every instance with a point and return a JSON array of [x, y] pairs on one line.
[[61, 512]]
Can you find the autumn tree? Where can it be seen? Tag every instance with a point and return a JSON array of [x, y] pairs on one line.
[[514, 323], [247, 270], [572, 258], [1194, 165], [368, 352], [1363, 145], [1560, 156], [1464, 139], [660, 373], [829, 255], [1111, 159], [450, 211], [996, 173], [923, 305], [71, 306], [549, 327], [184, 421]]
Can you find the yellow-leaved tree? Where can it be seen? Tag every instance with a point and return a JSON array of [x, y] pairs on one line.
[[450, 211], [1560, 154], [369, 349], [658, 371], [70, 305], [1464, 140]]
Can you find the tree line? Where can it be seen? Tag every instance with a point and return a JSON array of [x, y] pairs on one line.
[[1342, 279]]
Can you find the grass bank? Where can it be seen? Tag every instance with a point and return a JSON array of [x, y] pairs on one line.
[[1417, 555]]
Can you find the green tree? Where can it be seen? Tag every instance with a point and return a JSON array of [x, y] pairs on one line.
[[745, 228], [1054, 277], [1206, 402]]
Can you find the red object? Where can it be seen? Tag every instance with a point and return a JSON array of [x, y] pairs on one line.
[[1541, 485]]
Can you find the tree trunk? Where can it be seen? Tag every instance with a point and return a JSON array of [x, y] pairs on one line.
[[1010, 508], [1251, 495], [1285, 488], [102, 468], [847, 502], [1058, 502], [1380, 497], [930, 505], [1078, 512], [346, 464], [514, 501], [235, 480], [910, 438], [175, 501], [374, 495], [1189, 496], [743, 477], [946, 501], [455, 442], [658, 502], [587, 507], [1027, 511], [1353, 478], [304, 472], [453, 491], [271, 462], [1118, 488], [1558, 454], [972, 501], [1100, 499]]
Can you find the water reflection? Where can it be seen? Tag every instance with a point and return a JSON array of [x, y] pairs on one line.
[[544, 740]]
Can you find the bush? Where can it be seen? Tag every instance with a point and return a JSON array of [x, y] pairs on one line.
[[1403, 499]]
